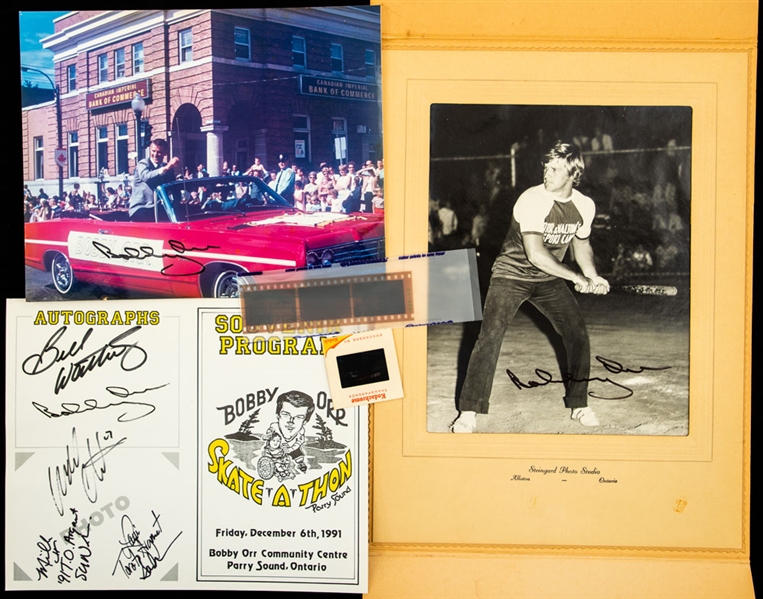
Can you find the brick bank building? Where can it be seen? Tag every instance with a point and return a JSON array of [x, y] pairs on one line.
[[218, 85]]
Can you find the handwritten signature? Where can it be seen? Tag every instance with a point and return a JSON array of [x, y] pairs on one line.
[[145, 252], [134, 410], [73, 558], [91, 470], [137, 555], [611, 366], [131, 355]]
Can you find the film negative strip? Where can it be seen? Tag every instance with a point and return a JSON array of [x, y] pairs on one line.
[[385, 298], [443, 287]]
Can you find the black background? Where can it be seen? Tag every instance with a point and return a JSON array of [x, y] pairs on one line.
[[12, 238]]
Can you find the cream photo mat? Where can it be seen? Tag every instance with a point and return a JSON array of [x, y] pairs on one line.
[[442, 522]]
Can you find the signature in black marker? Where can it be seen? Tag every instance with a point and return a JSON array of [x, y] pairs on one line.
[[143, 252], [131, 355], [50, 354], [49, 555], [72, 558], [91, 470], [611, 366], [140, 556], [134, 410]]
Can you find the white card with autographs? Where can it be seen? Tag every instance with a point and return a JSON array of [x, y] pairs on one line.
[[152, 445], [362, 368]]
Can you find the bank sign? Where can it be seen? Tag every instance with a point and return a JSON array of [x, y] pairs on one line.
[[337, 88], [123, 94]]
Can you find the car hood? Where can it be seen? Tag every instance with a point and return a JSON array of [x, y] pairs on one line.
[[294, 224]]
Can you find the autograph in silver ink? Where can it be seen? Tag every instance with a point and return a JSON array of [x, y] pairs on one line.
[[90, 471], [138, 555], [133, 410], [131, 356]]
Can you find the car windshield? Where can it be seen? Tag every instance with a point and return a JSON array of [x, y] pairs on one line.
[[194, 199]]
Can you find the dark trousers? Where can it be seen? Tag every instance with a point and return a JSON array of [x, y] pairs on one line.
[[555, 301], [143, 215]]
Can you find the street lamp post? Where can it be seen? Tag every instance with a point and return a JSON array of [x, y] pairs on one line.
[[138, 106], [59, 126]]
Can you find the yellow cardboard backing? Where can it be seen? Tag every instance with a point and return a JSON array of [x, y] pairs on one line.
[[677, 523]]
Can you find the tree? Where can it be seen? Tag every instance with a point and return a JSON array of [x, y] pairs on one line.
[[325, 436]]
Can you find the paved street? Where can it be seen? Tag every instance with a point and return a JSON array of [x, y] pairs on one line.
[[39, 288]]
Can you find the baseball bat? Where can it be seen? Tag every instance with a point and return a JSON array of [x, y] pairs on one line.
[[646, 289]]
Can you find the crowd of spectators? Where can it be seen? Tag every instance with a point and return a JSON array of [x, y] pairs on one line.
[[344, 189], [642, 198], [348, 189], [76, 201]]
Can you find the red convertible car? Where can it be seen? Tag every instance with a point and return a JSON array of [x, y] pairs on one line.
[[198, 244]]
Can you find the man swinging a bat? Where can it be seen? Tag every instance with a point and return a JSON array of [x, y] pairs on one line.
[[547, 219]]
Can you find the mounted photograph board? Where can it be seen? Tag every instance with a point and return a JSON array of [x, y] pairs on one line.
[[539, 515]]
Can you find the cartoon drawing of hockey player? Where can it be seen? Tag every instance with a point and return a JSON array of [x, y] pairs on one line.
[[285, 437]]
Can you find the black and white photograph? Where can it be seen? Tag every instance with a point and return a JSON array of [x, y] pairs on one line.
[[581, 221]]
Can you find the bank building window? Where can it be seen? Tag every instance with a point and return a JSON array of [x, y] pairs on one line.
[[298, 51], [39, 158], [370, 64], [337, 58], [243, 46], [302, 137], [102, 136], [339, 129], [73, 154], [71, 77], [122, 162], [186, 45], [137, 58], [103, 68], [119, 62]]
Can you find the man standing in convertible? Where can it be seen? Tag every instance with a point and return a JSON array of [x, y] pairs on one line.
[[149, 174]]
